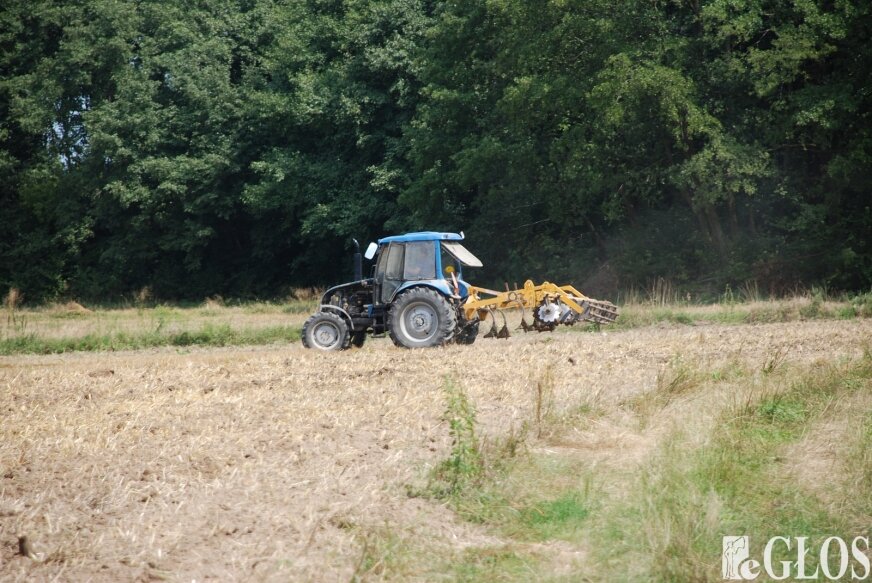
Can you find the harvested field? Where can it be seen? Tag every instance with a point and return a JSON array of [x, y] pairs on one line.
[[277, 463]]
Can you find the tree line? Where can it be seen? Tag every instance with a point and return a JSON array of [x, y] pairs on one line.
[[235, 147]]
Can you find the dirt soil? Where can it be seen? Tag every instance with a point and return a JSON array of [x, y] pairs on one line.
[[273, 463]]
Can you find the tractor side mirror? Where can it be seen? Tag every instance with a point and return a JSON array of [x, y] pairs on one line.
[[370, 251]]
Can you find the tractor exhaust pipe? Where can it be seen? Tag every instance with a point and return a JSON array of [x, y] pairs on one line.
[[358, 262]]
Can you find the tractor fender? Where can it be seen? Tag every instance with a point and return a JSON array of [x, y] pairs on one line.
[[342, 313], [440, 285]]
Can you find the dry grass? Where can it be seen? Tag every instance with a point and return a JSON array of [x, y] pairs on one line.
[[307, 294], [837, 444], [73, 320], [284, 464], [775, 310], [13, 298]]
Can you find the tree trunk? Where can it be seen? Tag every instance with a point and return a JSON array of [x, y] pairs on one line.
[[717, 233], [734, 218], [752, 224], [597, 239], [698, 213]]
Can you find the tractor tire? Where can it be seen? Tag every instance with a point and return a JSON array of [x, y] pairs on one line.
[[467, 333], [421, 318], [358, 338], [325, 331]]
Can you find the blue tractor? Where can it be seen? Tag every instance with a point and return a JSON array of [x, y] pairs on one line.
[[415, 295]]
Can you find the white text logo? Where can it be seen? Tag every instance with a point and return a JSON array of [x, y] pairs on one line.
[[837, 560]]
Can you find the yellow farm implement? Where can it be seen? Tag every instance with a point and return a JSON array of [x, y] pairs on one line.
[[550, 305]]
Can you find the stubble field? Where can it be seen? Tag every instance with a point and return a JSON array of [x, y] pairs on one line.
[[591, 456]]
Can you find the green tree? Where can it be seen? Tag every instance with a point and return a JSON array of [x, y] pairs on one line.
[[339, 85]]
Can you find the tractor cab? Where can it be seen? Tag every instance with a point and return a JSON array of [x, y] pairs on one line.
[[434, 260]]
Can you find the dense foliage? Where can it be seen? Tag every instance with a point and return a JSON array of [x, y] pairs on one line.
[[236, 146]]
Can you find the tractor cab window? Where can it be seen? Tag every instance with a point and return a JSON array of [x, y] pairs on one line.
[[394, 262], [450, 264], [389, 270], [420, 260], [461, 253]]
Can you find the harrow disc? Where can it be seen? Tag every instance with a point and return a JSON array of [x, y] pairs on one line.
[[549, 312]]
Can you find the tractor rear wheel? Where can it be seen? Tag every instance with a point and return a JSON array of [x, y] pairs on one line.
[[420, 318], [325, 331]]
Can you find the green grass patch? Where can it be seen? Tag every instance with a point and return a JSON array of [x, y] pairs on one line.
[[499, 485], [862, 305], [208, 335], [492, 565], [463, 470], [742, 466], [465, 478], [300, 307], [861, 465], [384, 554], [557, 518]]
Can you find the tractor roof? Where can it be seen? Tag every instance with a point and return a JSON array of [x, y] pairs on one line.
[[422, 236]]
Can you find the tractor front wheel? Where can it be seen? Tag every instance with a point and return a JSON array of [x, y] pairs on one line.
[[325, 331], [420, 318]]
